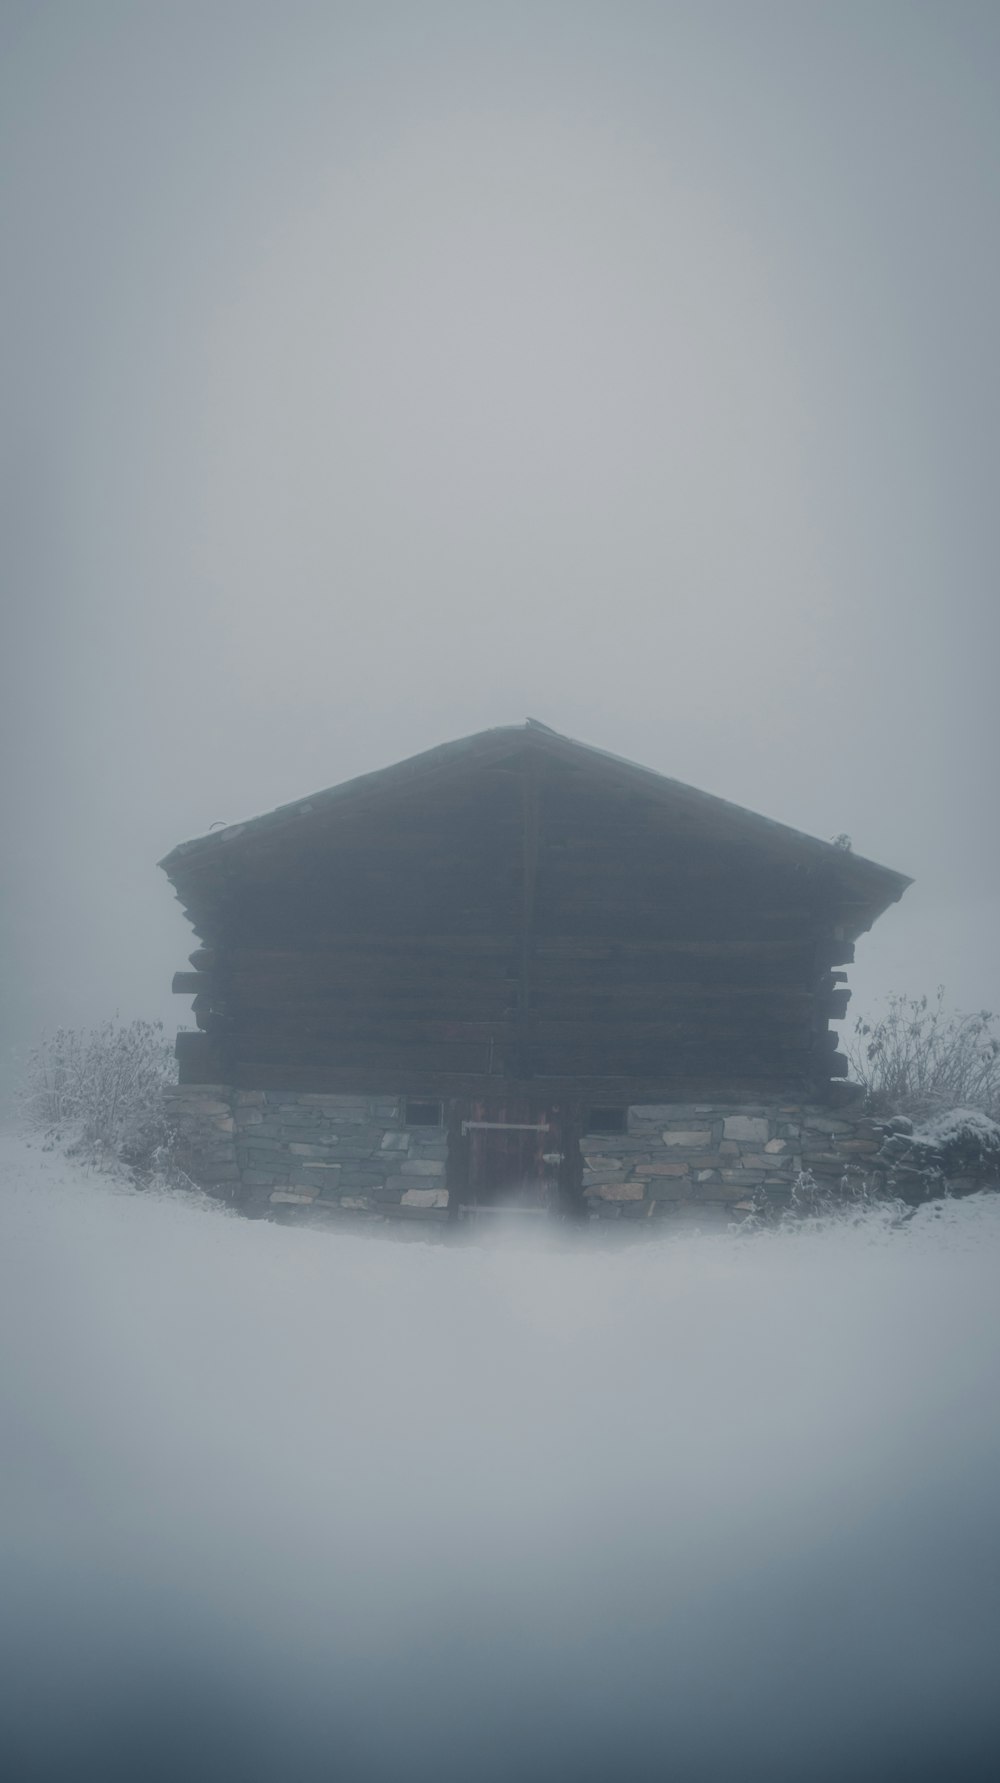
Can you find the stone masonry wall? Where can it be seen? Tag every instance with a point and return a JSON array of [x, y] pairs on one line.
[[709, 1163], [281, 1154], [276, 1152], [204, 1132]]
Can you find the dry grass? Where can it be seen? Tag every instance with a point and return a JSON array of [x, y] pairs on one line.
[[920, 1059]]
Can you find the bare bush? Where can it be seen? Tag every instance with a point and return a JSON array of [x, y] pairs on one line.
[[101, 1089], [919, 1059]]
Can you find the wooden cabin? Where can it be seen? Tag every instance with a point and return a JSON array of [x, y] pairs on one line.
[[515, 970]]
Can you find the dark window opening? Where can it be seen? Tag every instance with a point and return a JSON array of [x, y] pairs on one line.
[[607, 1120], [422, 1114]]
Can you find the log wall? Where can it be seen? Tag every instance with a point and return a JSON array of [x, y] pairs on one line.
[[526, 922]]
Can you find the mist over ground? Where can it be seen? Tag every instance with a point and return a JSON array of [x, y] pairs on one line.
[[286, 1503]]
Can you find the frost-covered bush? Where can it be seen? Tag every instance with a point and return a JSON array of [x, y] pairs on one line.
[[859, 1197], [101, 1089], [919, 1059], [962, 1143]]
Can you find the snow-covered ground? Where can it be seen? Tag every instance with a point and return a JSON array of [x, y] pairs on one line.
[[287, 1503]]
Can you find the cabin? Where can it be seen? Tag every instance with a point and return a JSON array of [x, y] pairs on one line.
[[516, 973]]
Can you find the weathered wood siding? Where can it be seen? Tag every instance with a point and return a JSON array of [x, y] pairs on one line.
[[523, 920]]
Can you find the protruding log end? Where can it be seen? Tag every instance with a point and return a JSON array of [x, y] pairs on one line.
[[190, 984], [197, 1059]]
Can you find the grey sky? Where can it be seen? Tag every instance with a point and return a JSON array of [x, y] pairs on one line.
[[374, 374]]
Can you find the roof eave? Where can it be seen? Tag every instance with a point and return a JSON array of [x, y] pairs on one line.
[[879, 886]]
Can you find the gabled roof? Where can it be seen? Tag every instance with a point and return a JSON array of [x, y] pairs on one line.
[[863, 882]]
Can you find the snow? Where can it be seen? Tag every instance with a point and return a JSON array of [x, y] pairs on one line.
[[966, 1127], [283, 1503]]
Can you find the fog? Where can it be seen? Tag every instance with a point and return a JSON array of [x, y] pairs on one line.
[[374, 374], [287, 1503]]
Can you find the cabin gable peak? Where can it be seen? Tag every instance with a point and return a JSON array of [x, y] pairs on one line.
[[532, 746]]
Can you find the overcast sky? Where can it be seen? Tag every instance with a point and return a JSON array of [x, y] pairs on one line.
[[377, 373]]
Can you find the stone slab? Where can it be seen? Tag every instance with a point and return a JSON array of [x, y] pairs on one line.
[[751, 1129], [425, 1198], [619, 1191]]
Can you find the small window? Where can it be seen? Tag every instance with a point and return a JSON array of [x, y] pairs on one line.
[[607, 1120], [422, 1114]]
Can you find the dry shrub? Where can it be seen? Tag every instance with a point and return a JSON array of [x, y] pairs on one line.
[[919, 1059], [101, 1089]]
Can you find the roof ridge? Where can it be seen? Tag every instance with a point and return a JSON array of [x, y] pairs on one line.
[[482, 743]]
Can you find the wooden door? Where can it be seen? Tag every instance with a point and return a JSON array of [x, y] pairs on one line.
[[513, 1154]]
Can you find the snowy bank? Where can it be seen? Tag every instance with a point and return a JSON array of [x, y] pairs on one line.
[[958, 1150], [289, 1504]]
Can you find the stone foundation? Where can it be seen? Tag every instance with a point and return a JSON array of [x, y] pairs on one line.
[[283, 1155], [277, 1153], [201, 1121], [713, 1163]]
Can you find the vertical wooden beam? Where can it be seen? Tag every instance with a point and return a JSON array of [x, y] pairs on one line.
[[530, 836], [457, 1166], [571, 1199]]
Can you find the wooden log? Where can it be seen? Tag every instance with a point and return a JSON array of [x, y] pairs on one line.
[[443, 1058], [688, 999], [839, 1094], [374, 1004], [725, 1026], [623, 946], [744, 1024], [616, 1090], [750, 1013], [575, 946], [312, 975], [664, 1061], [377, 981], [189, 984], [198, 1060], [839, 953], [284, 1029]]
